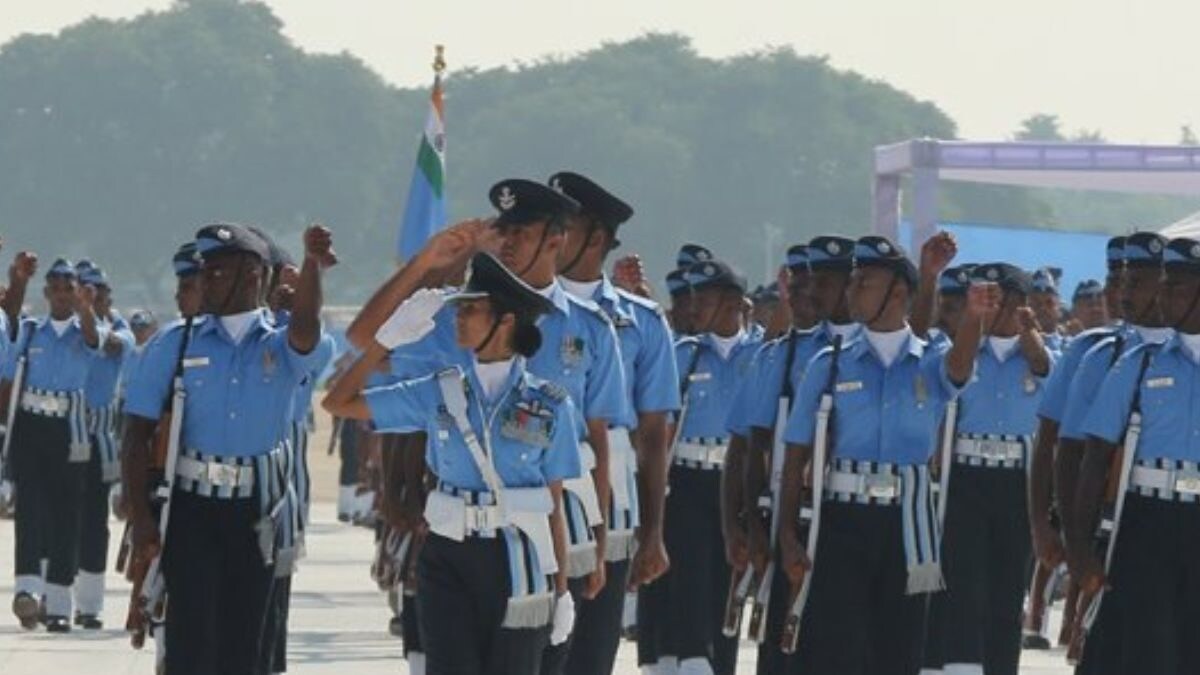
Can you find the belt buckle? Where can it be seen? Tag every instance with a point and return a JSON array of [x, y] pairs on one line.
[[880, 485], [1187, 482], [223, 474], [990, 449], [482, 519]]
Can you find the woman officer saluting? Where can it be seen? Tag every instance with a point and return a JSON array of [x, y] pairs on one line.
[[501, 441]]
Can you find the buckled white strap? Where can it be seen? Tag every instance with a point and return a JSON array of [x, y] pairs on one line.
[[873, 485], [708, 456], [990, 449], [53, 405], [215, 474], [1165, 480]]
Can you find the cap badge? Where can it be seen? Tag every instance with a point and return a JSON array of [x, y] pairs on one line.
[[506, 198], [883, 247], [833, 248], [557, 185], [1196, 250], [224, 234], [993, 274], [1155, 246], [709, 271]]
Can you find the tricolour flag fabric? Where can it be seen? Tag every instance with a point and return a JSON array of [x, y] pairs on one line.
[[425, 213]]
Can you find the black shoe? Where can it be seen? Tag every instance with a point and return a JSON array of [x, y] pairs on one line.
[[25, 607], [57, 624], [88, 621], [396, 627], [1034, 641]]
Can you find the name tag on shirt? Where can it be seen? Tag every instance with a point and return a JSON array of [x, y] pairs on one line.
[[700, 377], [1160, 382], [843, 387], [195, 362], [35, 350]]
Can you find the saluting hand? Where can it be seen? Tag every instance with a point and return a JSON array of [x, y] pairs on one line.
[[1027, 320], [318, 246], [937, 252], [455, 245], [85, 298], [629, 274], [23, 267]]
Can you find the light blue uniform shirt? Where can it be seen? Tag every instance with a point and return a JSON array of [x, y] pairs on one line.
[[879, 414], [714, 383], [1170, 406], [101, 387], [766, 384], [1058, 387], [579, 352], [304, 391], [647, 351], [1002, 397], [530, 425], [239, 395], [55, 363], [1090, 376]]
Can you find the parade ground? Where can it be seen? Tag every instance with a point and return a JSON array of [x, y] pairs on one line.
[[339, 617]]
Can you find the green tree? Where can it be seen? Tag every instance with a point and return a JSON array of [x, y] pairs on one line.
[[119, 138]]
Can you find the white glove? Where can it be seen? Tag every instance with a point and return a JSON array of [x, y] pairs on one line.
[[6, 495], [564, 619], [412, 320]]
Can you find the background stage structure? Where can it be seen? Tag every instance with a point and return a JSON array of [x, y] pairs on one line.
[[1157, 169]]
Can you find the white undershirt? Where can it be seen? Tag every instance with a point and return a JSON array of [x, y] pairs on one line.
[[1191, 343], [546, 292], [725, 345], [584, 290], [492, 376], [1154, 336], [887, 345], [1003, 347], [238, 324], [60, 326], [845, 330]]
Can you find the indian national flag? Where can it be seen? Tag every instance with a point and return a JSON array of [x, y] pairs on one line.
[[425, 212]]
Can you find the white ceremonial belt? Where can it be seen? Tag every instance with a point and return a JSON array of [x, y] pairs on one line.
[[457, 516], [707, 456], [48, 404], [995, 450], [873, 485], [1176, 481], [215, 474]]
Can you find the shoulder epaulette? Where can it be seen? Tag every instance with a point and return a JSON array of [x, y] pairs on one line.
[[644, 303], [591, 307]]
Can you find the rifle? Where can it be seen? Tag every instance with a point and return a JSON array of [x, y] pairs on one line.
[[770, 511], [7, 494], [735, 602], [1115, 488], [791, 625], [147, 605]]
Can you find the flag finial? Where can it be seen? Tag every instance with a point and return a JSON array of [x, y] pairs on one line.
[[439, 59]]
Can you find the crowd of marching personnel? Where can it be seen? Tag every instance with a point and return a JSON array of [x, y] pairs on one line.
[[888, 465]]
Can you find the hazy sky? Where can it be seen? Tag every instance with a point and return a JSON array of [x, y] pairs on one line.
[[1123, 67]]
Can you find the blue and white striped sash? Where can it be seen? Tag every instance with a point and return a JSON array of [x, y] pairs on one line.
[[103, 428], [531, 596]]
